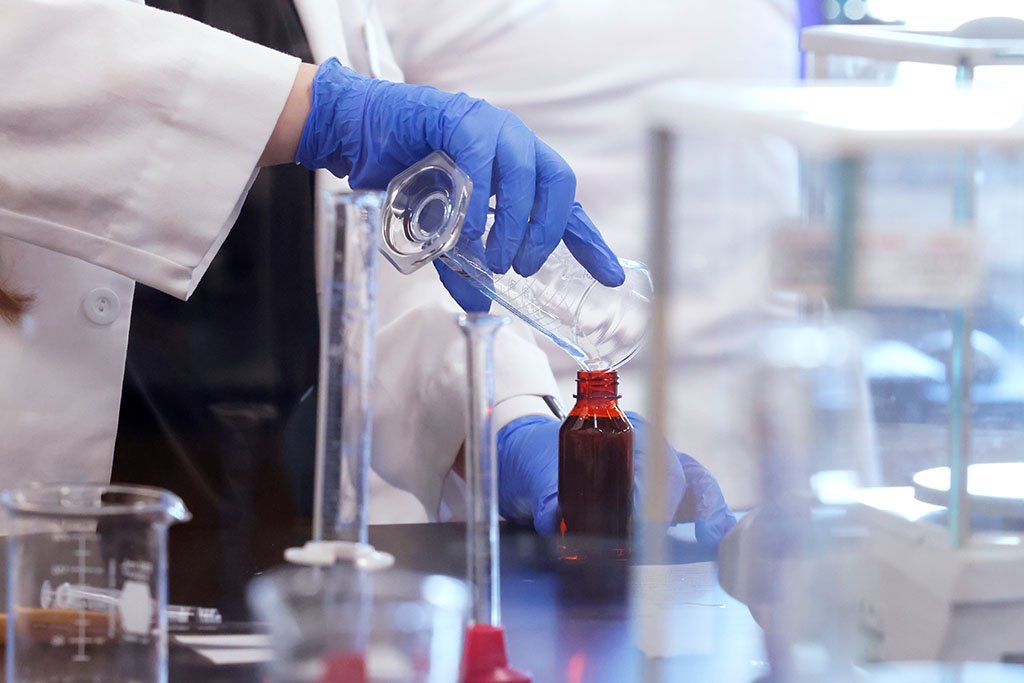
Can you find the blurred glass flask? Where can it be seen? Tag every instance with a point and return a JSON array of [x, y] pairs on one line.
[[601, 327]]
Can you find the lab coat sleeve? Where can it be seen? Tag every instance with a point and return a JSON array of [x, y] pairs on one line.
[[421, 396], [130, 136]]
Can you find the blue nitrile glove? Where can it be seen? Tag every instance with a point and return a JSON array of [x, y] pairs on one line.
[[528, 480], [702, 500], [371, 130], [528, 472]]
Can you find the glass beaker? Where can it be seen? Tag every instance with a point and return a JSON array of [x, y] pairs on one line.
[[339, 624], [110, 537], [601, 327]]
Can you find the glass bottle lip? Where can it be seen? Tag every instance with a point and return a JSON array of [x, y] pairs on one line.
[[74, 500], [597, 375], [599, 384]]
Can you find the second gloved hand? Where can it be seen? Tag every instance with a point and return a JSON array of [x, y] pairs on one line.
[[528, 480], [372, 130]]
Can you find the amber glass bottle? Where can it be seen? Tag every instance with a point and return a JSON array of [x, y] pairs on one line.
[[595, 471]]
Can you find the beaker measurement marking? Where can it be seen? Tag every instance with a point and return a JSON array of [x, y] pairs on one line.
[[62, 569], [82, 623], [86, 641], [111, 574], [80, 658]]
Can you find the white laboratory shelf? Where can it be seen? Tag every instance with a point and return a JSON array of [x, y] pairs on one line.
[[898, 44], [839, 119]]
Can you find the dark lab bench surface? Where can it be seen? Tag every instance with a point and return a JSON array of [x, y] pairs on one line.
[[557, 618]]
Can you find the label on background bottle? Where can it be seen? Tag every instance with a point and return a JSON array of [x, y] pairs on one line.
[[903, 265]]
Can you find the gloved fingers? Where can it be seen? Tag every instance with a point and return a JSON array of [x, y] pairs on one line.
[[515, 182], [588, 247], [704, 503], [712, 530], [472, 149], [479, 200], [699, 497], [672, 471], [556, 188], [545, 514], [462, 290], [528, 470], [394, 125], [675, 485]]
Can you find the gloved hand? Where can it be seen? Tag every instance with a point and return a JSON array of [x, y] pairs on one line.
[[371, 130], [528, 480]]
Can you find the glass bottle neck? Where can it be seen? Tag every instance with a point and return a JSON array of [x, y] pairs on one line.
[[596, 391]]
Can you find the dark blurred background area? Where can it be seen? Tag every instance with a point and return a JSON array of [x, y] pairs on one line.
[[218, 403]]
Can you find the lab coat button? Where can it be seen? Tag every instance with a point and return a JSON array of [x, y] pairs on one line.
[[102, 306]]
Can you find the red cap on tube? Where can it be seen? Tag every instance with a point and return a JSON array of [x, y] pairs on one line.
[[484, 659]]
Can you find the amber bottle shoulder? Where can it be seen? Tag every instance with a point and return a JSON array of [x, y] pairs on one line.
[[606, 420]]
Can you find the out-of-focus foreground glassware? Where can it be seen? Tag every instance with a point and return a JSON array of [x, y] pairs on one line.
[[335, 624], [349, 226], [110, 537], [807, 422], [805, 208], [486, 658], [601, 327], [347, 326], [481, 458]]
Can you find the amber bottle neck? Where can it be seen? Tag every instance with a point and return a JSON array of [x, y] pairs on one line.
[[596, 390]]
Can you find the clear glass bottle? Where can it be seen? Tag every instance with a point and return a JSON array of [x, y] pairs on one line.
[[595, 472], [601, 327]]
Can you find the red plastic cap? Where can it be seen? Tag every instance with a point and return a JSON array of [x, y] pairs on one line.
[[349, 667], [484, 659]]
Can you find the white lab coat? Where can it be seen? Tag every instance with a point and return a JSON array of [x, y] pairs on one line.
[[420, 383], [127, 158], [101, 184]]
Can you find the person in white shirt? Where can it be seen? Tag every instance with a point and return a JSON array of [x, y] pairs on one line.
[[131, 137], [578, 72], [164, 146]]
